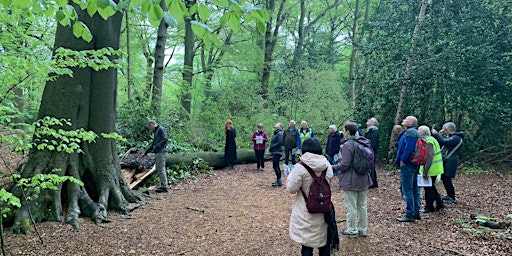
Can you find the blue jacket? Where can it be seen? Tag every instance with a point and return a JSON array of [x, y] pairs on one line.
[[450, 164], [276, 144], [333, 144], [406, 147]]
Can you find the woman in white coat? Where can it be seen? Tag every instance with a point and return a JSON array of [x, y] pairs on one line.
[[308, 229]]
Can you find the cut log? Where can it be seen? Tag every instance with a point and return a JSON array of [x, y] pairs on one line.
[[134, 159], [147, 174], [214, 159]]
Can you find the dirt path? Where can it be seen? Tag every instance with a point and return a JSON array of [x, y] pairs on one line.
[[244, 215]]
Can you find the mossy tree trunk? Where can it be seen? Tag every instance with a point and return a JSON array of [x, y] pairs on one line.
[[88, 100]]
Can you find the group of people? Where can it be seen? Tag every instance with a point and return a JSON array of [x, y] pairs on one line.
[[318, 230]]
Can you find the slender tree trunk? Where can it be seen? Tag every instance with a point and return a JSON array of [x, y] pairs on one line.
[[158, 73], [149, 72], [299, 46], [129, 57], [353, 58], [409, 65], [88, 100], [188, 64], [271, 35]]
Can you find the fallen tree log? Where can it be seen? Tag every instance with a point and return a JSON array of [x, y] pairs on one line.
[[214, 159]]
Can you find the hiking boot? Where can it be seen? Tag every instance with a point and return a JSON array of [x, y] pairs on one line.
[[406, 219], [450, 201], [427, 210], [161, 190], [361, 234], [346, 234], [417, 216], [262, 169], [278, 183]]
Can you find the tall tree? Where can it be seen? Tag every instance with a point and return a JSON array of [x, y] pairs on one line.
[[158, 72], [88, 101], [188, 63]]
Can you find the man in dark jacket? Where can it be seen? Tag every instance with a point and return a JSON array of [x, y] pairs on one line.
[[159, 147], [354, 185], [333, 143], [408, 170], [276, 149], [372, 133], [290, 142], [451, 148]]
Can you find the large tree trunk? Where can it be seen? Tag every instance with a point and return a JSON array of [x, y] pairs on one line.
[[188, 64], [158, 73], [299, 46], [214, 159], [408, 69], [88, 100], [128, 58]]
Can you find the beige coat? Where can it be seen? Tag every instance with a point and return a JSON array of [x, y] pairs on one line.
[[305, 228]]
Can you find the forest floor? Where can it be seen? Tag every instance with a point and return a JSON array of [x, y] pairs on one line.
[[244, 215]]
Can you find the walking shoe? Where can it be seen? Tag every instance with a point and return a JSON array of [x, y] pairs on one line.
[[427, 210], [445, 197], [161, 190], [417, 216], [262, 169], [346, 234], [361, 234], [450, 201], [277, 183], [406, 219]]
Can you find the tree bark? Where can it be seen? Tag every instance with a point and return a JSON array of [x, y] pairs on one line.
[[271, 34], [214, 159], [88, 100], [158, 72], [353, 58], [409, 65], [128, 57], [188, 64]]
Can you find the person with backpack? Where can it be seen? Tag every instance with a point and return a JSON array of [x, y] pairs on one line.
[[304, 133], [432, 168], [409, 170], [354, 179], [259, 138], [312, 222], [276, 149], [452, 146]]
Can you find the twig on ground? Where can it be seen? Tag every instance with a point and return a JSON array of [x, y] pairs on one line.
[[195, 209], [453, 251]]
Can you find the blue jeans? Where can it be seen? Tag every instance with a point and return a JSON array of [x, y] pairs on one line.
[[331, 161], [410, 190]]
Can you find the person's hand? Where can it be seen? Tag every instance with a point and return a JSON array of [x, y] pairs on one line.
[[402, 164], [442, 131], [425, 176], [434, 131]]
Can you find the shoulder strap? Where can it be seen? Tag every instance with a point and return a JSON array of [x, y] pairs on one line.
[[454, 149], [313, 175]]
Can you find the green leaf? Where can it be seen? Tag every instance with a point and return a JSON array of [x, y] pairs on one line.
[[203, 11], [262, 27], [86, 34], [92, 8], [61, 3], [178, 9], [196, 23], [102, 4], [77, 30], [169, 19]]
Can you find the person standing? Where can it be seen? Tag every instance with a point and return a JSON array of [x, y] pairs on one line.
[[276, 149], [311, 230], [304, 133], [159, 147], [432, 168], [372, 133], [354, 185], [230, 145], [452, 146], [333, 143], [290, 143], [260, 138], [408, 170]]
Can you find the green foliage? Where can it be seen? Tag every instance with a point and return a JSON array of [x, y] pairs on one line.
[[183, 171], [468, 170], [7, 200], [39, 182]]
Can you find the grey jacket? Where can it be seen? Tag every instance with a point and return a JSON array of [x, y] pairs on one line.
[[349, 179], [159, 143]]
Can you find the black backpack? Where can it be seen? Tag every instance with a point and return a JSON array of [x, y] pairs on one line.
[[319, 199], [363, 159]]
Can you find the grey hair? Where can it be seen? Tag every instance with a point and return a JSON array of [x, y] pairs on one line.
[[280, 125], [450, 126], [292, 121], [332, 126], [152, 122], [425, 129], [375, 121], [304, 122]]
